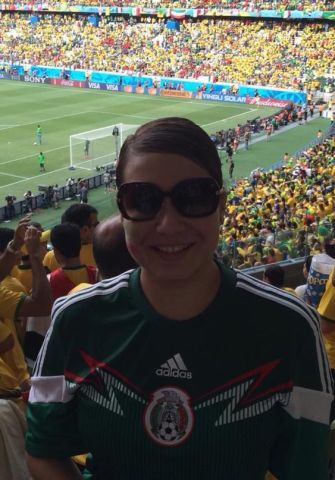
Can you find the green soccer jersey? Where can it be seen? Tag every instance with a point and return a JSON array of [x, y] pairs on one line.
[[238, 390]]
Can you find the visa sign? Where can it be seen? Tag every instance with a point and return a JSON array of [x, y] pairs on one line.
[[95, 85], [112, 86]]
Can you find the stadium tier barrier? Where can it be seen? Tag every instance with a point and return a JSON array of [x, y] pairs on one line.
[[165, 86], [175, 14]]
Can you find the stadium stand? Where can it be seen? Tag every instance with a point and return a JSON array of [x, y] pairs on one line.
[[243, 5], [283, 213], [280, 54]]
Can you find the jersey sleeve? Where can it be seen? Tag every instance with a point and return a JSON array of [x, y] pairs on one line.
[[50, 261], [10, 302], [51, 412], [302, 448]]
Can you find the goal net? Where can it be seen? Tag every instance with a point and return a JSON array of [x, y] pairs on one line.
[[98, 148]]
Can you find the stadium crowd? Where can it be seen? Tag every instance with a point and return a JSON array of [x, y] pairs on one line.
[[243, 134], [283, 213], [243, 5], [291, 55]]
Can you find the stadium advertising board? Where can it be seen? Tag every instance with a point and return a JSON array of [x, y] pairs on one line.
[[66, 83], [152, 91], [102, 86], [175, 13], [19, 78], [34, 79], [269, 102], [175, 93], [217, 97], [286, 96], [86, 84], [112, 87]]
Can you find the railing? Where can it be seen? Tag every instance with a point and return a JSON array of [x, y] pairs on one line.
[[44, 199]]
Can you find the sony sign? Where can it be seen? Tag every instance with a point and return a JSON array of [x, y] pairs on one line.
[[31, 79]]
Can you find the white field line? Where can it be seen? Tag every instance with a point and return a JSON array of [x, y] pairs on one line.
[[123, 115], [41, 175], [91, 91], [12, 175], [7, 127], [181, 101], [97, 111], [46, 120], [233, 116], [34, 154], [218, 104]]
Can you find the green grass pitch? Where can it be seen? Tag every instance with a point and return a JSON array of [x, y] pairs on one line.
[[65, 111]]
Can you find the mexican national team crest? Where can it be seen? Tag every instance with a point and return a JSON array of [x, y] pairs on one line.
[[169, 418]]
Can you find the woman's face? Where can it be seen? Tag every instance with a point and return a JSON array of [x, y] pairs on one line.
[[170, 247]]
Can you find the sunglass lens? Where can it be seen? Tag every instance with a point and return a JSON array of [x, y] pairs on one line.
[[196, 197], [140, 201]]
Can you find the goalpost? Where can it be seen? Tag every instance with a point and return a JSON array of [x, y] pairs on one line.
[[97, 148]]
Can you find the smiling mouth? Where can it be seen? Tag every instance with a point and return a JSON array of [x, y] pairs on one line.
[[172, 249]]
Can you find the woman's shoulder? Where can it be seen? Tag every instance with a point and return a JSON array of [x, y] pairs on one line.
[[87, 299], [272, 299]]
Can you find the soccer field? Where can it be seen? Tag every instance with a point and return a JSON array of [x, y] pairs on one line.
[[62, 112]]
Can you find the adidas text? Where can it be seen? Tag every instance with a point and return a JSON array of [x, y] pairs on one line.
[[168, 372]]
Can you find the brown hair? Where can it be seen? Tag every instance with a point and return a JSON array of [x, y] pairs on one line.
[[172, 135]]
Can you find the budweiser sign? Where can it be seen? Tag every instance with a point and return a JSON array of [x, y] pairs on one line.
[[270, 102]]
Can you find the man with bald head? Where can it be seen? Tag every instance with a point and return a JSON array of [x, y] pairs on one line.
[[110, 249]]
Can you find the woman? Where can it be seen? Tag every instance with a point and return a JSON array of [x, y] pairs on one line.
[[182, 368]]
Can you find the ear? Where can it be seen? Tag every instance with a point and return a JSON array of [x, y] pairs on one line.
[[222, 204], [58, 256]]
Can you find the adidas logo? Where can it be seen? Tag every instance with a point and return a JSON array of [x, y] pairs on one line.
[[174, 367]]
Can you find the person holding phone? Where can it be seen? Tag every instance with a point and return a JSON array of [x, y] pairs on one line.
[[181, 368]]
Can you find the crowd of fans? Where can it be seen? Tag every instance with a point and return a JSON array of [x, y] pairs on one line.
[[245, 133], [291, 55], [283, 213], [244, 5]]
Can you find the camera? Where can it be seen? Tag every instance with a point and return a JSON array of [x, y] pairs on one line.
[[115, 132]]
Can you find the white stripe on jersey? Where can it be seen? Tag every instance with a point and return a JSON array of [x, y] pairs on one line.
[[265, 290], [49, 390], [105, 287], [101, 288], [309, 404]]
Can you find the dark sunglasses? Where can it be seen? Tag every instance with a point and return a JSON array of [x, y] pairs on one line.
[[193, 198]]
